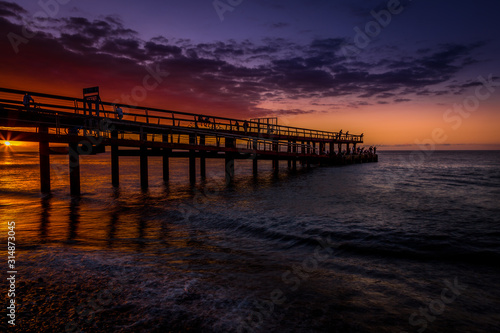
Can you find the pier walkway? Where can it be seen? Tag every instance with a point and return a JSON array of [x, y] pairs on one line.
[[87, 125]]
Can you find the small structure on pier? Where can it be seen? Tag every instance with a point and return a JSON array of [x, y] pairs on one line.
[[158, 132]]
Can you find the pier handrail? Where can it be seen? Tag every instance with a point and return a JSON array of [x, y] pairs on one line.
[[179, 118], [252, 143]]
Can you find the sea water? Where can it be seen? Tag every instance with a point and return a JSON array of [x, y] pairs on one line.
[[408, 244]]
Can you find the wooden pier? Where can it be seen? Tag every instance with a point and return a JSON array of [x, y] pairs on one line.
[[88, 125]]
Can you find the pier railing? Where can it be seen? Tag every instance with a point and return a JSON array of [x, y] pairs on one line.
[[155, 116], [175, 134]]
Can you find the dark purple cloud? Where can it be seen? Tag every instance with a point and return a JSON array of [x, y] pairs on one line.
[[240, 73], [10, 9]]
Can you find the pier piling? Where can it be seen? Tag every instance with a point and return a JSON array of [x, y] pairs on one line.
[[165, 156], [144, 163], [192, 160], [44, 163], [115, 164], [74, 169], [229, 161], [203, 168]]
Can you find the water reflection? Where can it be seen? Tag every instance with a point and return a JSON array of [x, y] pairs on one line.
[[144, 204], [141, 237], [74, 218], [44, 216], [113, 221], [142, 220]]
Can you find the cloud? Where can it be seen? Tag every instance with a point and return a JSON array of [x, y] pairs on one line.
[[10, 9], [161, 49], [225, 76]]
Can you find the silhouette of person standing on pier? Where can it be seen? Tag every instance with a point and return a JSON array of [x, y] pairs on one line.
[[119, 112], [27, 99]]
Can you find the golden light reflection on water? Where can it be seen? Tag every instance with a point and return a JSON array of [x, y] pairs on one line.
[[8, 156], [78, 222], [104, 217]]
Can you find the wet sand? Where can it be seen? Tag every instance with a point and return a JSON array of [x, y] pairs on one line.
[[62, 289]]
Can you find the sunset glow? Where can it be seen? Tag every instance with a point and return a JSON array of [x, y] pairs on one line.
[[292, 61]]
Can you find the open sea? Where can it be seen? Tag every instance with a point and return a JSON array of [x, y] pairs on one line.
[[408, 244]]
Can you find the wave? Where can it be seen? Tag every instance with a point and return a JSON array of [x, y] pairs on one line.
[[368, 243], [434, 253]]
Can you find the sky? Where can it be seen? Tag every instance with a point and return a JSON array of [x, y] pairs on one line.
[[410, 73]]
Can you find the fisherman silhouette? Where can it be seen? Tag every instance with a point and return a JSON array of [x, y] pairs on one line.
[[27, 99], [119, 111]]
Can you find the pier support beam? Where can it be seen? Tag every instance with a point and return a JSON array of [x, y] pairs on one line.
[[289, 150], [255, 161], [192, 160], [144, 163], [74, 169], [229, 161], [294, 150], [44, 163], [166, 153], [203, 163], [115, 164], [276, 161]]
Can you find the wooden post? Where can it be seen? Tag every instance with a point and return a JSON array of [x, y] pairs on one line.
[[74, 169], [115, 164], [43, 147], [294, 150], [203, 168], [192, 160], [276, 162], [166, 153], [255, 160], [289, 150], [144, 162], [229, 161]]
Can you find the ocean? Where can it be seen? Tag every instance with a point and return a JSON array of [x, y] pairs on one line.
[[408, 244]]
